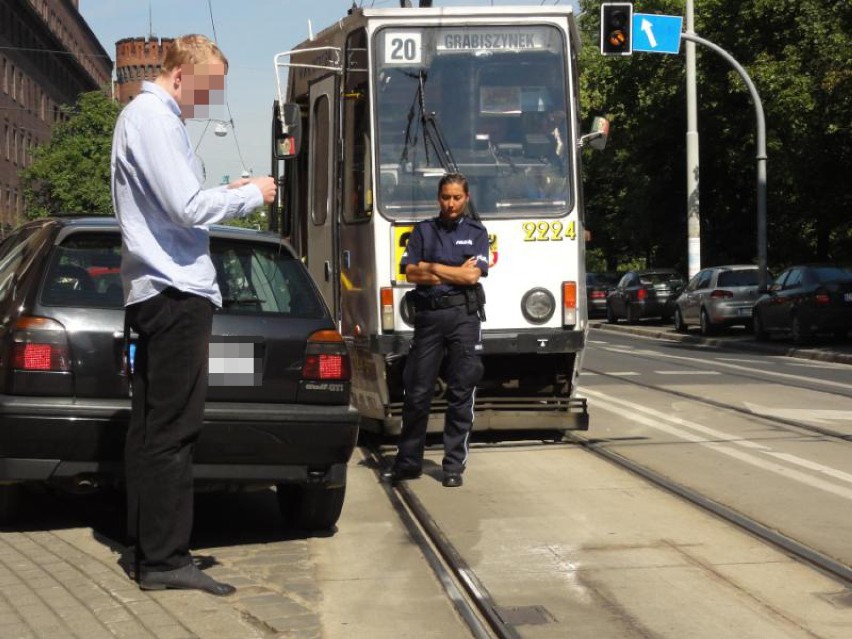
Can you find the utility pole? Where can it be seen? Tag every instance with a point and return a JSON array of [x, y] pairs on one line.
[[693, 216]]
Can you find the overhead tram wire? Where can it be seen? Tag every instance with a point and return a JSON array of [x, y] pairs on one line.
[[227, 104]]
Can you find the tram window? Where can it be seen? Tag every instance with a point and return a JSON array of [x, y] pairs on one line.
[[357, 205], [320, 162]]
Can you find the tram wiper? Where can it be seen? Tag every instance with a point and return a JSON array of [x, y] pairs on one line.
[[433, 136]]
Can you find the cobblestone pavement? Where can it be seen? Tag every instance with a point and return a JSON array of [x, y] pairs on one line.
[[62, 581]]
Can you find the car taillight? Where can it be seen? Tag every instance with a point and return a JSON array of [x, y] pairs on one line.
[[598, 295], [641, 294], [569, 303], [326, 357], [40, 344], [822, 297], [719, 294]]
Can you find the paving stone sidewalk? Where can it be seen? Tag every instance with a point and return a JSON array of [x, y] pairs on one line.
[[67, 583]]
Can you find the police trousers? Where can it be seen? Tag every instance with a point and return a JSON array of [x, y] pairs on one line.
[[448, 336], [167, 409]]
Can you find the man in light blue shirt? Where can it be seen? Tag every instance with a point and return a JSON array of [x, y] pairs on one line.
[[170, 291]]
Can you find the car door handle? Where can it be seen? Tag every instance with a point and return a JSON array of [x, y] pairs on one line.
[[327, 270]]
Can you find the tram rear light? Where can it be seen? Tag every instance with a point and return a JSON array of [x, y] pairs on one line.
[[569, 303], [386, 296]]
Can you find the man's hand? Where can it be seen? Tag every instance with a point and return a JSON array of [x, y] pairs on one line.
[[265, 184]]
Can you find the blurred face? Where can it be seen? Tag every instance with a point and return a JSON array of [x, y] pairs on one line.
[[452, 200], [201, 85]]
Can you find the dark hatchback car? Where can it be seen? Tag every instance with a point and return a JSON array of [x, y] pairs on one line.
[[598, 286], [805, 301], [644, 293], [277, 411]]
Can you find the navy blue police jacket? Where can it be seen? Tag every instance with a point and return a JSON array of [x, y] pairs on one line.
[[450, 244]]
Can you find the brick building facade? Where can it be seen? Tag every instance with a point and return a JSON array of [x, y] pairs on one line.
[[48, 57]]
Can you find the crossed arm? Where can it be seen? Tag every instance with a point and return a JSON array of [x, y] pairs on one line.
[[432, 273]]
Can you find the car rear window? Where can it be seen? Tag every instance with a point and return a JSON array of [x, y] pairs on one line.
[[738, 278], [85, 271], [263, 278], [660, 278], [833, 274]]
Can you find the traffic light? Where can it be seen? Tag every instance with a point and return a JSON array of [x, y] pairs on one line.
[[616, 20]]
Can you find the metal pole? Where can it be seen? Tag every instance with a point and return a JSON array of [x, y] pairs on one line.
[[760, 155], [693, 215]]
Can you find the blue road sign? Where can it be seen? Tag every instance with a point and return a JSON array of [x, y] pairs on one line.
[[656, 34]]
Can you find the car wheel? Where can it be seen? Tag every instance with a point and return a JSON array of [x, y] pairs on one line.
[[679, 324], [707, 327], [632, 314], [799, 333], [611, 317], [757, 328], [10, 503], [310, 506]]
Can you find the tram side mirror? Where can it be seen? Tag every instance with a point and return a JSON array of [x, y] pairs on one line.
[[597, 136], [286, 130]]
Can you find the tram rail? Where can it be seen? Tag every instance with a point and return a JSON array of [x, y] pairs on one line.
[[469, 596]]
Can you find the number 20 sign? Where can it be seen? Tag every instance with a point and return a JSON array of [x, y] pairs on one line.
[[403, 48]]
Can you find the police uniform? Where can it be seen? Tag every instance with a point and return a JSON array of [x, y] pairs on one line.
[[446, 331]]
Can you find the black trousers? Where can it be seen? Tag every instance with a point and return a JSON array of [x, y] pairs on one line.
[[450, 334], [169, 388]]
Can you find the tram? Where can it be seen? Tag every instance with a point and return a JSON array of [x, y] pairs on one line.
[[370, 113]]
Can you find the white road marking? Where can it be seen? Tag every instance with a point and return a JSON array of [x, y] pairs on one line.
[[831, 472], [624, 374], [705, 362], [687, 372], [660, 421], [821, 415]]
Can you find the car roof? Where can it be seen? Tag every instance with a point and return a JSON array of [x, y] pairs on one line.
[[68, 224]]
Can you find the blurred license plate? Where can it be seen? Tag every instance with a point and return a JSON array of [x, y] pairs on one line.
[[233, 363], [847, 297], [745, 311]]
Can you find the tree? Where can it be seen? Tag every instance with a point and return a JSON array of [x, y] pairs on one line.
[[796, 54], [71, 173]]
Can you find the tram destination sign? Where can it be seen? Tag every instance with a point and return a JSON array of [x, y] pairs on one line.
[[656, 34]]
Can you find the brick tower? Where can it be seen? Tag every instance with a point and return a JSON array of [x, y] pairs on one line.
[[137, 59]]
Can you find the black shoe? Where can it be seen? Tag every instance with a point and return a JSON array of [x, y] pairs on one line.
[[188, 577], [452, 480], [394, 475]]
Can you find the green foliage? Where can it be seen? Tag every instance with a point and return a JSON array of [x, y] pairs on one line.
[[71, 173], [255, 220], [799, 59]]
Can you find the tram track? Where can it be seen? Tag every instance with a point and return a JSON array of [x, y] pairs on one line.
[[772, 419], [800, 551], [469, 596]]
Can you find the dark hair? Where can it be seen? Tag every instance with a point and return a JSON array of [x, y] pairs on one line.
[[453, 178]]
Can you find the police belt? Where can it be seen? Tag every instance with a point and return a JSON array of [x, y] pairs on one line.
[[445, 301]]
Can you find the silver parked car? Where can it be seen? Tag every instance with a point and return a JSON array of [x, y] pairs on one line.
[[719, 296]]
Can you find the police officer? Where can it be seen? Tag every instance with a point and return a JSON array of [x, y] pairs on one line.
[[445, 257]]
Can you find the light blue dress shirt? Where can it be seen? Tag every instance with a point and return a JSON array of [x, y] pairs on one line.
[[162, 210]]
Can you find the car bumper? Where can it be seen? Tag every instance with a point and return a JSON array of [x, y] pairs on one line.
[[46, 438]]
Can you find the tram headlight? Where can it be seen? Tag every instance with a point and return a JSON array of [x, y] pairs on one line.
[[538, 305]]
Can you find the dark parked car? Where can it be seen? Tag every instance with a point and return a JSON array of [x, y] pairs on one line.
[[805, 301], [598, 286], [719, 296], [277, 411], [644, 293]]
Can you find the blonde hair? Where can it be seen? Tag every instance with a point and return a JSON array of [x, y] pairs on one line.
[[192, 49]]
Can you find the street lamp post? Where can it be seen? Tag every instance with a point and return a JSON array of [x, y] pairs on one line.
[[693, 217]]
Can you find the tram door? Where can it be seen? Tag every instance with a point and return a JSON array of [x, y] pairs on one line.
[[322, 222]]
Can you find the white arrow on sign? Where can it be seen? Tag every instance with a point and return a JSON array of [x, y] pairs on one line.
[[818, 415], [647, 27]]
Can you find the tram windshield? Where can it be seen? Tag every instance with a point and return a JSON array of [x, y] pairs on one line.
[[490, 102]]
